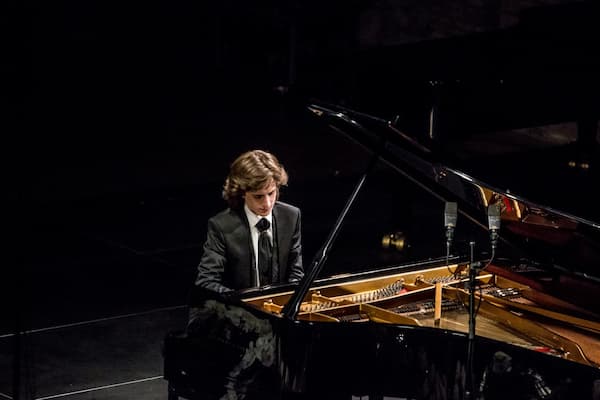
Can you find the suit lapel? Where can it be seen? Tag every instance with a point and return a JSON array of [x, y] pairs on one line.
[[278, 233], [246, 250]]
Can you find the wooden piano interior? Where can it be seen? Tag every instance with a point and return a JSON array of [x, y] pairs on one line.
[[438, 297]]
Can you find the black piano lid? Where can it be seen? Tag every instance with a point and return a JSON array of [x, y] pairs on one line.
[[538, 232]]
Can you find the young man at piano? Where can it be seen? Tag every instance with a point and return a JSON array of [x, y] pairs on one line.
[[256, 241]]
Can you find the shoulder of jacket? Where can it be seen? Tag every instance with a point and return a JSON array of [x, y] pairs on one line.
[[286, 206], [225, 215]]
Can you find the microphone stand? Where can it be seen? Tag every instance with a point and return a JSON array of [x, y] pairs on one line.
[[449, 238], [473, 269]]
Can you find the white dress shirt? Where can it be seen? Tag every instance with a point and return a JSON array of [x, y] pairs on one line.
[[252, 221]]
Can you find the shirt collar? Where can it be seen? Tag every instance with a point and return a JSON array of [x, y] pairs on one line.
[[253, 218]]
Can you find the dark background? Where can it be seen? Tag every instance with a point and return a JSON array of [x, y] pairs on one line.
[[124, 117]]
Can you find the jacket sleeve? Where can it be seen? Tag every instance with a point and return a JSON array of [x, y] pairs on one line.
[[295, 266], [212, 263]]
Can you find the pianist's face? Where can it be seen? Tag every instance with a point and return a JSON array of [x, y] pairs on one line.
[[261, 201]]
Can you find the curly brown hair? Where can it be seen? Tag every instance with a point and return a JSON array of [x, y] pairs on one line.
[[252, 171]]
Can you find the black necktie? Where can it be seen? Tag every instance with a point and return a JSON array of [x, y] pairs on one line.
[[264, 252]]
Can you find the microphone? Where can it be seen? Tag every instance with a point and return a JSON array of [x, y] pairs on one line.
[[450, 221], [494, 223]]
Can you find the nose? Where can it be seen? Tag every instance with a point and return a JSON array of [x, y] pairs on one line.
[[268, 202]]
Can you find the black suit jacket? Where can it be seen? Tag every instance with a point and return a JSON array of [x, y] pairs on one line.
[[227, 262]]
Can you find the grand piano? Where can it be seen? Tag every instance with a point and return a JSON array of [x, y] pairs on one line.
[[506, 305]]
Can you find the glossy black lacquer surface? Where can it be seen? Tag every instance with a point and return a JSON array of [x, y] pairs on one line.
[[243, 353]]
